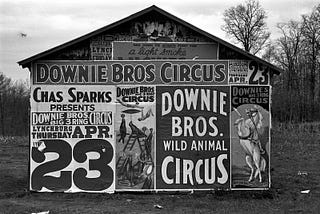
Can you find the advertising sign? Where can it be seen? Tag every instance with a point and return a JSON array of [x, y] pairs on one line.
[[192, 148], [250, 136], [243, 72], [101, 47], [72, 138], [105, 126], [132, 72], [163, 50], [135, 129]]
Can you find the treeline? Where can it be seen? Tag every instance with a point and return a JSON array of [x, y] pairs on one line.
[[14, 107], [296, 92]]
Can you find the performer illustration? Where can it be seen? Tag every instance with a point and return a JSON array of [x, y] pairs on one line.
[[249, 128], [135, 136], [145, 116], [123, 129], [249, 140]]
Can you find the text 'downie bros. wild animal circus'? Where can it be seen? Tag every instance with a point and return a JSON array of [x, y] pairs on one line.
[[162, 125]]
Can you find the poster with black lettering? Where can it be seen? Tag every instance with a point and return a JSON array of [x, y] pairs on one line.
[[72, 138], [244, 72], [250, 137], [135, 125], [193, 147], [131, 72], [149, 125]]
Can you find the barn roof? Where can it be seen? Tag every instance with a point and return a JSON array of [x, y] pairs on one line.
[[27, 62]]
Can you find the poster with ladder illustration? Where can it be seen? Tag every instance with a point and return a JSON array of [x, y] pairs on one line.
[[135, 130]]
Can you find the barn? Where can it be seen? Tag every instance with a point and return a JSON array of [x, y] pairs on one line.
[[149, 103]]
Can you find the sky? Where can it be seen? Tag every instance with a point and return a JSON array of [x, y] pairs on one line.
[[28, 27]]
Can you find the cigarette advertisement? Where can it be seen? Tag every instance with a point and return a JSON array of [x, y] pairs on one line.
[[163, 50]]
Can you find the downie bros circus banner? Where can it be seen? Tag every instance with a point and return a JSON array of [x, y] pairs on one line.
[[105, 126]]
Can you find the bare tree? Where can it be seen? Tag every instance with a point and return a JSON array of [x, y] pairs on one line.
[[246, 24], [5, 83], [14, 106], [296, 94], [270, 53], [289, 49], [311, 33]]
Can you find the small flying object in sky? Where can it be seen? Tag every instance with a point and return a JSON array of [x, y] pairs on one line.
[[23, 34]]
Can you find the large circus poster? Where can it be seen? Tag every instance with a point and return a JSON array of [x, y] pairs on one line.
[[72, 138], [250, 120], [193, 147], [163, 125]]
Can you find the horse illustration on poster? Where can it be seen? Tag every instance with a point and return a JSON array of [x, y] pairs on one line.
[[248, 132], [250, 146]]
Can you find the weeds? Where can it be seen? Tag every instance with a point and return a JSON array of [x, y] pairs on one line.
[[295, 156], [17, 140]]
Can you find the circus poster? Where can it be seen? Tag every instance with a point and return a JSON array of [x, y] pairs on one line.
[[250, 137], [192, 147], [135, 136], [72, 138], [148, 126]]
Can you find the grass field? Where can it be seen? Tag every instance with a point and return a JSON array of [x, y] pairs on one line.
[[295, 163]]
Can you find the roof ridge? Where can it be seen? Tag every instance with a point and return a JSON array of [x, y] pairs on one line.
[[26, 62]]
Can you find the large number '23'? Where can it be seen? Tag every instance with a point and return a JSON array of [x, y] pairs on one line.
[[264, 79], [39, 179]]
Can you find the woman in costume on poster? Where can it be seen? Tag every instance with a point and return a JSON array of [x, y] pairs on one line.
[[249, 131]]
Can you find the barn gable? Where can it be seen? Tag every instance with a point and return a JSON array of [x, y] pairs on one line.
[[151, 24]]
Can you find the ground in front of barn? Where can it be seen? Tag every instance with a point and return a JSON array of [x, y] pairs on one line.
[[295, 174]]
